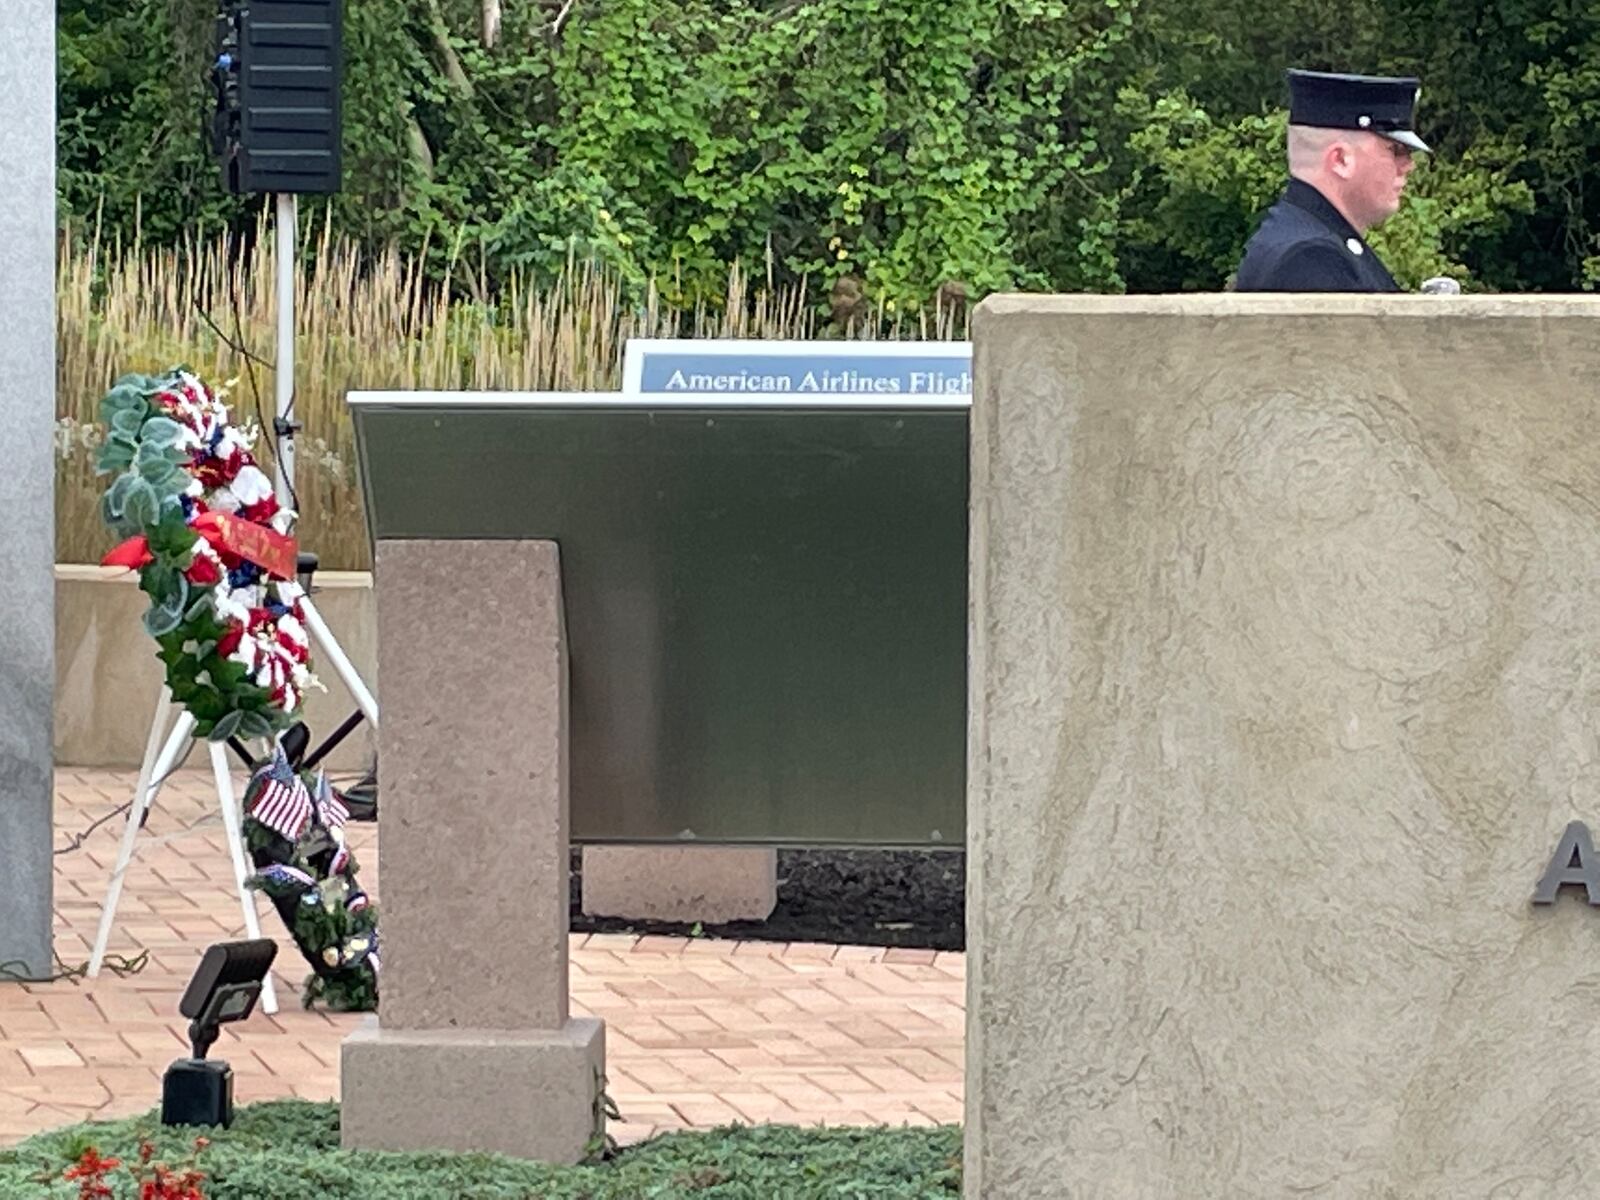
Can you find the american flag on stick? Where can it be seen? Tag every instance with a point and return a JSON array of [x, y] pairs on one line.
[[330, 808], [283, 804]]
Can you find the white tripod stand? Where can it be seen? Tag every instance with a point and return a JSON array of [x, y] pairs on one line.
[[163, 748]]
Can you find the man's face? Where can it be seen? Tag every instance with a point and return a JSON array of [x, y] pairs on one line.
[[1377, 170]]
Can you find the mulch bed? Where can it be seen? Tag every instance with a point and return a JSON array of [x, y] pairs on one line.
[[911, 898]]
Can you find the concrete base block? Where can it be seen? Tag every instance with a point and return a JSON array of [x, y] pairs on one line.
[[712, 884], [534, 1095]]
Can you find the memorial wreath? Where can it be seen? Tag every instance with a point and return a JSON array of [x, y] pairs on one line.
[[204, 529], [211, 545], [295, 833]]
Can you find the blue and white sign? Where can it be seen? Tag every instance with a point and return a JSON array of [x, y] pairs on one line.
[[739, 366]]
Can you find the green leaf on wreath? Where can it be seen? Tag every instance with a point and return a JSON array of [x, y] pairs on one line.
[[254, 725], [172, 537], [150, 453], [228, 674], [117, 495], [160, 581], [143, 507], [142, 384], [167, 479], [126, 396], [196, 611], [112, 519], [182, 671], [167, 614], [207, 705], [115, 455], [161, 433], [126, 421], [227, 726]]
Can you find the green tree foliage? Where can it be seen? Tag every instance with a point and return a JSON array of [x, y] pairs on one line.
[[886, 149]]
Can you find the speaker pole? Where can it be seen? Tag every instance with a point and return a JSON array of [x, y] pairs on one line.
[[284, 425]]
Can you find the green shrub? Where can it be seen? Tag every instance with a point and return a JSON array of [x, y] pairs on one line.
[[898, 149], [289, 1150]]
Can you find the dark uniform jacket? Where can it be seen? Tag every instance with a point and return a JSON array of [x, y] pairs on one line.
[[1305, 245]]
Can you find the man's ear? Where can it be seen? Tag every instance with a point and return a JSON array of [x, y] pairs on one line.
[[1340, 158]]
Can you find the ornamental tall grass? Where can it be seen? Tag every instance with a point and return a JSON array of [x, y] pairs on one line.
[[361, 324]]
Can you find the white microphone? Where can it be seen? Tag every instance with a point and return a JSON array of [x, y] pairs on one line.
[[1441, 285]]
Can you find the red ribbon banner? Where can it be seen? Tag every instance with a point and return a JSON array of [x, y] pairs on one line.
[[273, 552]]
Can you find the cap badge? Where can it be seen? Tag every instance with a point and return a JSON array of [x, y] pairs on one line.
[[1364, 121]]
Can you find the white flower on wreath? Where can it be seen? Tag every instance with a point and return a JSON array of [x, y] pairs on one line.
[[232, 439], [245, 654], [251, 485], [289, 625], [203, 549], [233, 604]]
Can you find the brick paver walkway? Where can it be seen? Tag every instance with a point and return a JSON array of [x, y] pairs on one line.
[[699, 1032]]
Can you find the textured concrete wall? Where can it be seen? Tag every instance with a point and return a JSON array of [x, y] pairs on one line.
[[108, 677], [1284, 688], [27, 492]]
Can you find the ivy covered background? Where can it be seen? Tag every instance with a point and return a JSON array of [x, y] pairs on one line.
[[888, 151]]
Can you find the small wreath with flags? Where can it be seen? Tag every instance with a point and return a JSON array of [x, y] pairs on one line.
[[212, 547], [294, 828]]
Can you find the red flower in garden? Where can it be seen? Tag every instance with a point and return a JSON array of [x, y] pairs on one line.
[[90, 1173]]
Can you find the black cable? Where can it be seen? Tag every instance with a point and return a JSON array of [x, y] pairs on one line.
[[236, 344], [79, 838], [116, 963], [231, 344]]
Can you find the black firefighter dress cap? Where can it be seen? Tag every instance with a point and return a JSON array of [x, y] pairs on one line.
[[1385, 105]]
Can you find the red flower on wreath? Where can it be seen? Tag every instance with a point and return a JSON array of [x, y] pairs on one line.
[[262, 511], [229, 642], [204, 570]]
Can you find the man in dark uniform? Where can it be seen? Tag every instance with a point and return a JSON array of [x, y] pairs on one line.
[[1350, 146]]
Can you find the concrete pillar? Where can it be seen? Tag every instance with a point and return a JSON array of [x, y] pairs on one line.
[[474, 1047], [708, 884], [1283, 695], [27, 479]]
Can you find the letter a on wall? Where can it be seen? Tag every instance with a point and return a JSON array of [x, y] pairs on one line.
[[1573, 862]]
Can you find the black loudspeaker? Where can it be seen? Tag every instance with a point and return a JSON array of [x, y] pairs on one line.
[[277, 79]]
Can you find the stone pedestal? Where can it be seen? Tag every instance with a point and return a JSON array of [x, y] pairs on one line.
[[473, 1048], [1283, 692], [709, 884], [27, 479]]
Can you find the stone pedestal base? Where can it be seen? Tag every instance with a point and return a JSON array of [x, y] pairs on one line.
[[534, 1095], [712, 884]]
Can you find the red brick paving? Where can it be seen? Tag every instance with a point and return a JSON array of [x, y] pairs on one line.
[[698, 1032]]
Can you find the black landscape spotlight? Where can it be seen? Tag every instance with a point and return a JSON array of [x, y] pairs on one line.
[[198, 1090]]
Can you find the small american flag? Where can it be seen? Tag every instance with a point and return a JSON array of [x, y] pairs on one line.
[[330, 808], [283, 804]]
